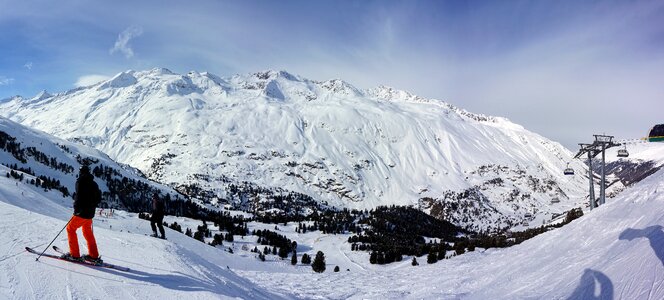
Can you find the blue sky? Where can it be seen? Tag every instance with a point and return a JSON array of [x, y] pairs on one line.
[[564, 69]]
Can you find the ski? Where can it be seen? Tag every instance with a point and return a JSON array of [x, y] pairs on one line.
[[104, 264], [84, 262], [156, 236]]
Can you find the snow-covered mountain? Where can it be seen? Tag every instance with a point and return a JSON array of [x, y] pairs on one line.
[[326, 139], [52, 164]]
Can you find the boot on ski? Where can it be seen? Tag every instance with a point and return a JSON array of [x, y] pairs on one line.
[[68, 256], [97, 261]]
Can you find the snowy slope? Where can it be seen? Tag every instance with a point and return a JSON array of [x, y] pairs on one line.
[[177, 268], [645, 158], [639, 150], [353, 148], [613, 252], [36, 155]]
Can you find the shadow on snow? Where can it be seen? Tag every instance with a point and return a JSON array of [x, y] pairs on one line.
[[654, 234], [214, 279], [591, 281]]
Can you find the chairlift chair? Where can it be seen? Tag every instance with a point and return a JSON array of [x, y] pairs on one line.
[[568, 170], [623, 152]]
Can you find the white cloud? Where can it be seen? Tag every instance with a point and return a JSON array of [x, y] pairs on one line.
[[28, 65], [87, 80], [122, 43], [6, 81]]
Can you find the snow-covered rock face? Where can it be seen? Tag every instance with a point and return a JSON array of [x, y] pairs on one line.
[[645, 158], [329, 140]]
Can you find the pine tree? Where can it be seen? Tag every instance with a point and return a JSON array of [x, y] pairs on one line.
[[372, 257], [380, 259], [398, 257], [293, 260], [283, 252], [319, 262], [199, 235], [306, 259], [217, 240], [432, 258]]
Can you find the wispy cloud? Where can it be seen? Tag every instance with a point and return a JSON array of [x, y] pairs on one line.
[[28, 65], [91, 79], [6, 81], [122, 43]]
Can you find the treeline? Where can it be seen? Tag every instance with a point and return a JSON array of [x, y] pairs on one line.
[[469, 243], [45, 182], [9, 144], [389, 233], [394, 231], [281, 245]]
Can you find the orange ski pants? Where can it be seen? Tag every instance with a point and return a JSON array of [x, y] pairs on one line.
[[86, 224]]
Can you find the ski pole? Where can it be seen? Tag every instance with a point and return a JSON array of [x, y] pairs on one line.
[[49, 244]]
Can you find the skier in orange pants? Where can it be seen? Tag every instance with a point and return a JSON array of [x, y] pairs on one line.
[[86, 225], [85, 202]]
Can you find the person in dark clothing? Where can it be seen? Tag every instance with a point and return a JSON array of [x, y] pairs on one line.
[[157, 216], [86, 199]]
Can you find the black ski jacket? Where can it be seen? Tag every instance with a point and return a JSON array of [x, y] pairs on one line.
[[157, 209], [87, 197]]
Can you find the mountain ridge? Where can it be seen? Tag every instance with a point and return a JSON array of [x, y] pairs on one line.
[[326, 139]]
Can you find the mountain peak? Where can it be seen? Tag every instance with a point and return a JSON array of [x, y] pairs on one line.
[[339, 86], [272, 74], [159, 71], [122, 79], [42, 95], [389, 93]]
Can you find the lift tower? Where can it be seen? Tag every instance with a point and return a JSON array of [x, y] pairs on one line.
[[601, 143]]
